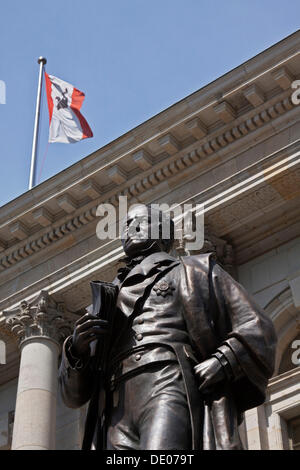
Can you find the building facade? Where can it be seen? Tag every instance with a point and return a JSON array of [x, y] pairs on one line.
[[233, 146]]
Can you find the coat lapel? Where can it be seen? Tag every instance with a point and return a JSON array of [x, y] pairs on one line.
[[197, 303]]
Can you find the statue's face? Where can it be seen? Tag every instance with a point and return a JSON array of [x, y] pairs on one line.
[[136, 231]]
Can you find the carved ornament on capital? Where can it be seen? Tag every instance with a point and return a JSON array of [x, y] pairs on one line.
[[40, 317]]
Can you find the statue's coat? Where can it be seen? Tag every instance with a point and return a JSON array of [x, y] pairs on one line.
[[219, 315]]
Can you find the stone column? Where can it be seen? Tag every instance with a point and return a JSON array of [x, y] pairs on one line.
[[41, 329]]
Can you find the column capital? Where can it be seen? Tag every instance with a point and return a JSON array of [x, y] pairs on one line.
[[42, 317]]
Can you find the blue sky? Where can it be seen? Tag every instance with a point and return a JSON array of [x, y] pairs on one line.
[[132, 58]]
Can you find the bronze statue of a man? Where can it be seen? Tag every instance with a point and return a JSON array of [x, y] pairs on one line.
[[187, 352]]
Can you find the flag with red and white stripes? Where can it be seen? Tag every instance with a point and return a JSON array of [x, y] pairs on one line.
[[67, 125]]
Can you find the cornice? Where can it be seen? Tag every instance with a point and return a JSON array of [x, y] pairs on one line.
[[194, 156], [71, 280], [104, 257]]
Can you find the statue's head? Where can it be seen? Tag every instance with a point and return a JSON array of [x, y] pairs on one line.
[[146, 229]]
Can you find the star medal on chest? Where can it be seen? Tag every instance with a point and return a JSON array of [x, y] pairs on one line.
[[163, 288]]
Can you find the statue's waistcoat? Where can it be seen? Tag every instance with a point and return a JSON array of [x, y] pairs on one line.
[[149, 315]]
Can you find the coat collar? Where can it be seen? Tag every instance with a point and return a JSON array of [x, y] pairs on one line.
[[154, 261]]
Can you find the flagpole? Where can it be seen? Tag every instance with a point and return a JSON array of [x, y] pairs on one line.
[[42, 61]]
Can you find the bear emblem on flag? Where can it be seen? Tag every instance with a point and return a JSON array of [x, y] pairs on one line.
[[67, 124]]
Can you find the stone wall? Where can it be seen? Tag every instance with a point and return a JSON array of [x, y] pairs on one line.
[[268, 275]]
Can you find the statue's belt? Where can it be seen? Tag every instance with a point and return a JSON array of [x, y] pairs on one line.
[[136, 360]]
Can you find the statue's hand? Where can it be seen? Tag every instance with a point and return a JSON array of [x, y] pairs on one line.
[[208, 373], [87, 329]]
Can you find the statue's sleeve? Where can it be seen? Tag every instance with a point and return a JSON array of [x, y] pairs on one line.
[[76, 379], [250, 342]]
